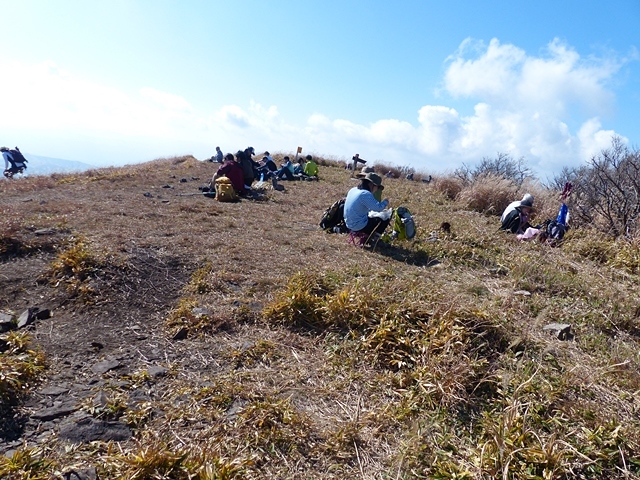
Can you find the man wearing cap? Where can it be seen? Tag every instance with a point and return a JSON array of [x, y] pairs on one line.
[[515, 217], [360, 201]]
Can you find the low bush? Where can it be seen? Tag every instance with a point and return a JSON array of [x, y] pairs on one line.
[[448, 185], [488, 194]]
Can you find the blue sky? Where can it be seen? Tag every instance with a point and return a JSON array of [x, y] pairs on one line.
[[428, 84]]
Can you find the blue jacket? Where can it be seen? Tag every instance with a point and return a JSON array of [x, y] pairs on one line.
[[357, 207]]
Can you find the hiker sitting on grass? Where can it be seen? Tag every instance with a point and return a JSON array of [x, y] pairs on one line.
[[311, 167], [285, 170], [233, 171], [515, 218], [360, 201], [363, 173], [218, 157], [267, 168], [298, 168], [247, 164]]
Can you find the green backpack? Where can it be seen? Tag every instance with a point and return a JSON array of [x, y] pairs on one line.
[[404, 228]]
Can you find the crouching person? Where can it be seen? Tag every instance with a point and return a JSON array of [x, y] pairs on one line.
[[359, 202], [515, 218], [232, 170]]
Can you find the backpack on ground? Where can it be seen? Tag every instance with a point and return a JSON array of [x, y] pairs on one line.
[[225, 191], [555, 231], [333, 218], [404, 227]]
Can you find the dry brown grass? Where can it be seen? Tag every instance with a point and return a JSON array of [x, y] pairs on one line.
[[309, 358]]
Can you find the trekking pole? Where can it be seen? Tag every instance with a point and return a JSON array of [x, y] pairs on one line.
[[193, 194]]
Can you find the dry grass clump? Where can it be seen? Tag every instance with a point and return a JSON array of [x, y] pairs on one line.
[[74, 267], [397, 328], [448, 185], [489, 194], [20, 368], [27, 463], [155, 458]]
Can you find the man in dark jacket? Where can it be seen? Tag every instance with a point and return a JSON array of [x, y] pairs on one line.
[[515, 217], [232, 170]]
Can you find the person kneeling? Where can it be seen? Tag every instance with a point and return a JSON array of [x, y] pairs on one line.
[[360, 202]]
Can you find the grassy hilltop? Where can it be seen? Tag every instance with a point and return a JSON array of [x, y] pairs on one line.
[[289, 353]]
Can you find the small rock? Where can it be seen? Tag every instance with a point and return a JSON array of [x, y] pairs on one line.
[[103, 367], [89, 429], [183, 180], [54, 391], [81, 474], [138, 396], [156, 371], [43, 314], [54, 412], [200, 311], [27, 317], [562, 330], [148, 194], [6, 322], [523, 293], [167, 186], [45, 231], [101, 399], [181, 334]]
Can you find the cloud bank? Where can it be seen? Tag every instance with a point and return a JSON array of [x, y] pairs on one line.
[[546, 108]]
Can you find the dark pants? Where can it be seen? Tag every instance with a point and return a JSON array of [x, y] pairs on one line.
[[286, 173], [375, 225]]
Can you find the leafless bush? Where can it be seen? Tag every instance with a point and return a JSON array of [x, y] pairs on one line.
[[607, 190], [503, 166]]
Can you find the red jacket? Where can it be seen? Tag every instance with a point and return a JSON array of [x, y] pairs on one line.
[[233, 172]]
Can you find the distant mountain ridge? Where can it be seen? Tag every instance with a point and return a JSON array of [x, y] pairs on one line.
[[39, 165]]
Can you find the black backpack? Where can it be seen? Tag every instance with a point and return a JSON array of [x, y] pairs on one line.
[[18, 159], [333, 218], [555, 230]]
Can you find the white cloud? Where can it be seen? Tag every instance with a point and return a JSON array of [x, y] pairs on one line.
[[524, 106], [166, 100]]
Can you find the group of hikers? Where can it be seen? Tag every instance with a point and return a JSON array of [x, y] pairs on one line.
[[362, 213], [241, 170], [515, 219], [14, 161]]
